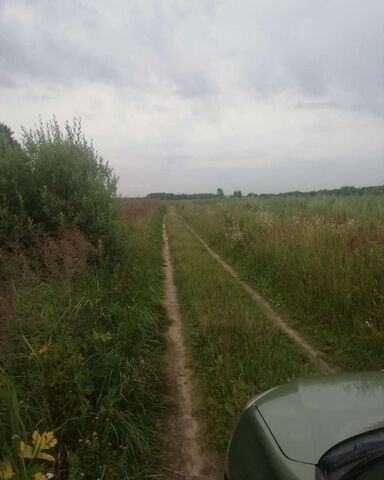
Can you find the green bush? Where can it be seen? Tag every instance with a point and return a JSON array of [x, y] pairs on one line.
[[53, 179]]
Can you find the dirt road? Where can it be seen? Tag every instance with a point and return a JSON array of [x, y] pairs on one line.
[[185, 458], [311, 352]]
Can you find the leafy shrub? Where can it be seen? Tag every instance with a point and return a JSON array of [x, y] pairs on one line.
[[53, 179]]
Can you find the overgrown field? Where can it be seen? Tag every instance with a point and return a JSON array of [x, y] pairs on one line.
[[81, 389], [237, 352], [320, 259]]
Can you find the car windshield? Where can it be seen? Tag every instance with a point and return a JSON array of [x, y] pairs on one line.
[[372, 471], [359, 458]]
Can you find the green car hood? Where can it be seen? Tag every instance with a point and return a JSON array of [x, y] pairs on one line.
[[308, 417]]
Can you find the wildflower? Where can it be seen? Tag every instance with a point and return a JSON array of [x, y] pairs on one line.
[[25, 450], [46, 456], [6, 471], [45, 440], [94, 434], [40, 442], [44, 348], [40, 476], [350, 222]]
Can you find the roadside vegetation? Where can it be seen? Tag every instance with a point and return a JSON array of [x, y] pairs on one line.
[[81, 348], [81, 388], [319, 258], [236, 351]]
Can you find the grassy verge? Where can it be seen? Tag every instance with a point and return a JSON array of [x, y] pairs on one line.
[[320, 260], [81, 366], [236, 351]]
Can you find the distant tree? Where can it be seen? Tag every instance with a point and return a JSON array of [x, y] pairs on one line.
[[347, 190], [220, 192], [8, 134], [179, 196]]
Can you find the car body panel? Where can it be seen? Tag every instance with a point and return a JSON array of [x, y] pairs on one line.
[[283, 433], [310, 416], [255, 455]]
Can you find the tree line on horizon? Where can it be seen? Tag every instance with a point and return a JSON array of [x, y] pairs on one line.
[[345, 190]]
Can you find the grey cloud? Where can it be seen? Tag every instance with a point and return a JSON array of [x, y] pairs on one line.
[[189, 87], [7, 81], [323, 49], [49, 55], [317, 48], [194, 85]]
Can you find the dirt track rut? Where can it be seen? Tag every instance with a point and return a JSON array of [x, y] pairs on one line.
[[311, 353], [184, 456]]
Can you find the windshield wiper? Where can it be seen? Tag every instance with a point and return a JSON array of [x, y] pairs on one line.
[[352, 454], [360, 467], [368, 452]]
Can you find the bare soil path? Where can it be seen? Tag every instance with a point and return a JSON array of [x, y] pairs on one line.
[[315, 356], [185, 458]]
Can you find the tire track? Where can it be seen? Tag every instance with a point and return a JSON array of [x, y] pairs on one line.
[[184, 456], [314, 355]]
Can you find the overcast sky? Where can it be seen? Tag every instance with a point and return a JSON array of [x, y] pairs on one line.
[[191, 95]]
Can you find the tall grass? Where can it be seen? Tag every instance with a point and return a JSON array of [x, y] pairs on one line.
[[80, 288], [321, 258], [237, 352], [84, 362]]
